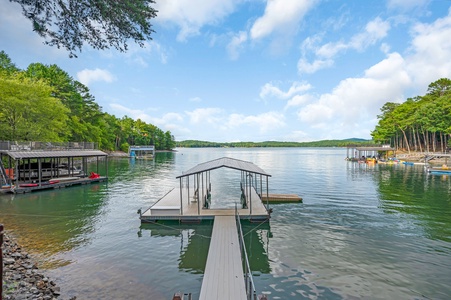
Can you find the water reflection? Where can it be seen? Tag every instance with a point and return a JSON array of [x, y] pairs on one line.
[[195, 242], [53, 221]]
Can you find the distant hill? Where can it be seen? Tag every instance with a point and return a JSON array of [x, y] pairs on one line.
[[323, 143]]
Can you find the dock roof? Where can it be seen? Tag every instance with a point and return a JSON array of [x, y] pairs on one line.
[[374, 148], [50, 154], [227, 162]]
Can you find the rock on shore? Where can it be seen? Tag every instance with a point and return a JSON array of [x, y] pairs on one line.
[[21, 276]]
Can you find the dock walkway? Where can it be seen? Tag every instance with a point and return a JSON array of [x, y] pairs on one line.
[[224, 277]]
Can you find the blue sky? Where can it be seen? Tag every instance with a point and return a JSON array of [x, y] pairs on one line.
[[257, 70]]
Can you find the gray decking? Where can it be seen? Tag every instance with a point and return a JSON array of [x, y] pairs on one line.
[[224, 277], [169, 208]]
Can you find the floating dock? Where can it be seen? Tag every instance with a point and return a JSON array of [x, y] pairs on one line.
[[192, 202], [224, 276], [169, 208]]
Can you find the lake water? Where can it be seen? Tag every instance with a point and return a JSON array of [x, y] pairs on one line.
[[372, 232]]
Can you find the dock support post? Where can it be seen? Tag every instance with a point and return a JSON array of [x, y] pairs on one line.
[[1, 261], [181, 197]]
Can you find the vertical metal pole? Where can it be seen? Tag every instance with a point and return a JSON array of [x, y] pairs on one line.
[[267, 193], [203, 189], [198, 202], [1, 261], [261, 186], [106, 165], [181, 198], [187, 182]]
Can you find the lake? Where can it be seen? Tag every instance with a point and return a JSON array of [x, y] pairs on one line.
[[363, 231]]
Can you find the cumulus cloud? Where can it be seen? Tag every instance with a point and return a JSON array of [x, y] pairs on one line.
[[279, 16], [195, 99], [375, 31], [191, 15], [209, 115], [431, 51], [236, 44], [270, 90], [353, 100], [406, 4], [265, 122], [87, 76]]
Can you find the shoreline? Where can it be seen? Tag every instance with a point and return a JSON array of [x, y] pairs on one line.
[[22, 278]]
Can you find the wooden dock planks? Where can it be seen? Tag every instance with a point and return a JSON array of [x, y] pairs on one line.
[[224, 277]]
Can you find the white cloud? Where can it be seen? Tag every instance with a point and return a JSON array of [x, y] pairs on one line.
[[192, 15], [354, 100], [375, 31], [280, 15], [87, 76], [205, 115], [236, 44], [431, 52], [265, 122], [270, 90], [406, 4], [195, 99]]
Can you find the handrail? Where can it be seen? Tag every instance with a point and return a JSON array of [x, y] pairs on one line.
[[251, 294]]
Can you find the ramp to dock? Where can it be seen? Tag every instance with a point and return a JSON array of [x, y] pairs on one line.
[[224, 277]]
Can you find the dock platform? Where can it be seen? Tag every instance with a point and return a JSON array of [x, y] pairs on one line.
[[224, 276], [59, 185], [169, 208]]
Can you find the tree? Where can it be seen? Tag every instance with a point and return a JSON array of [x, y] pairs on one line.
[[100, 23], [28, 112], [6, 65]]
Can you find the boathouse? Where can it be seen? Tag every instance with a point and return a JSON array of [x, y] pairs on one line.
[[192, 200], [142, 152], [354, 153], [31, 166]]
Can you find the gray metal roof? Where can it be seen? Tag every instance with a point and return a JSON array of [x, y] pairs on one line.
[[227, 162], [50, 154], [375, 149]]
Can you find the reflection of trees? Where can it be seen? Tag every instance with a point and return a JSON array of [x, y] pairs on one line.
[[195, 242], [426, 197], [50, 222]]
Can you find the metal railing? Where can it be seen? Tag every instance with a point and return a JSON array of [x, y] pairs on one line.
[[46, 146], [248, 280]]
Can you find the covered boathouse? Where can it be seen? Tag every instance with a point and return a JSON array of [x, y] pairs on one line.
[[191, 201], [32, 166]]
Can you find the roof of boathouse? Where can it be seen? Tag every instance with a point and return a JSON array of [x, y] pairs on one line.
[[53, 154], [374, 148], [226, 162]]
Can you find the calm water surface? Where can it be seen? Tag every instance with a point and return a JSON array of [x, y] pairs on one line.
[[372, 232]]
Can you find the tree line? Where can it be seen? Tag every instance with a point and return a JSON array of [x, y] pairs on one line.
[[44, 103], [323, 143], [421, 123]]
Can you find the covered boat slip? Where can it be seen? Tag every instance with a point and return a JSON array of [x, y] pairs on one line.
[[192, 200], [28, 168], [169, 208]]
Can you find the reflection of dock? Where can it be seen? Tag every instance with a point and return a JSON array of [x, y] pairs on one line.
[[224, 277]]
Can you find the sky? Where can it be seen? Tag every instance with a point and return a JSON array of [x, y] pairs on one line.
[[259, 70]]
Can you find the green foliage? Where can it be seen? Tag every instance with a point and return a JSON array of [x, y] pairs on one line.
[[422, 123], [43, 103], [324, 143], [100, 23], [28, 111]]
